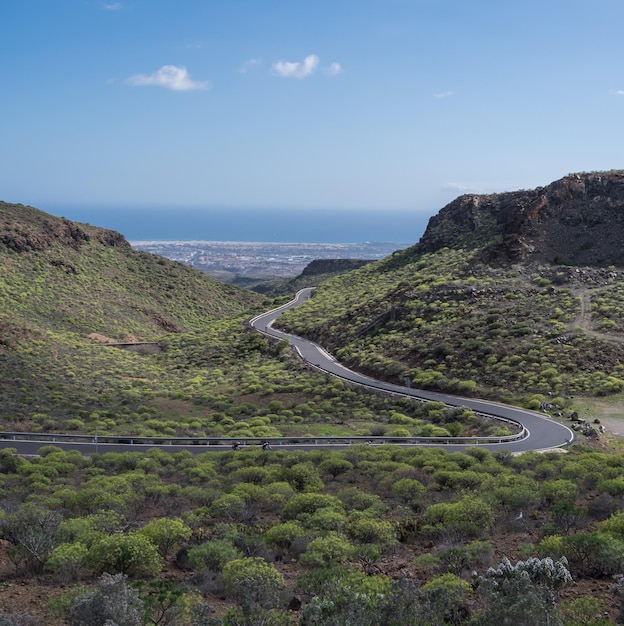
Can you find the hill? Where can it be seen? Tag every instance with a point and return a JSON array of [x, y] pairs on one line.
[[63, 275], [313, 274], [367, 534], [66, 287], [513, 295], [68, 290]]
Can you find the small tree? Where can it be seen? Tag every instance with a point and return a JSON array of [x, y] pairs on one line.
[[469, 516], [282, 536], [303, 477], [33, 533], [335, 466], [586, 610], [375, 531], [565, 516], [442, 598], [162, 601], [410, 491], [89, 528], [229, 507], [341, 595], [306, 504]]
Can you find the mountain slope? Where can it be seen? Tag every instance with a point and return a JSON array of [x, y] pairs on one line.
[[480, 305], [64, 288], [62, 275]]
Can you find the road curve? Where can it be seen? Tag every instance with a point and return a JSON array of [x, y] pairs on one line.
[[542, 433]]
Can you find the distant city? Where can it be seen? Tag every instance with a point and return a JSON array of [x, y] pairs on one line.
[[227, 260]]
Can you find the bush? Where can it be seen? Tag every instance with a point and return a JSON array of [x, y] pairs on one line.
[[556, 490], [594, 554], [469, 516], [165, 533], [305, 504], [614, 525], [282, 536], [332, 549], [252, 583], [335, 466], [586, 611], [303, 477], [113, 602], [442, 598], [522, 594], [132, 554], [67, 561], [410, 491], [213, 555], [374, 531]]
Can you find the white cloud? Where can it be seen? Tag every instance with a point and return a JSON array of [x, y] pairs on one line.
[[169, 77], [248, 66], [617, 92], [444, 94], [288, 69], [111, 6], [334, 69]]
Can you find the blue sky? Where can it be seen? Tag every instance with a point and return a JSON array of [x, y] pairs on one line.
[[341, 104]]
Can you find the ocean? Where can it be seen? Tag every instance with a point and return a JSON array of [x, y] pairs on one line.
[[275, 225]]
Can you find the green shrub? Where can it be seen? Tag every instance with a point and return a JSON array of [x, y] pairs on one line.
[[132, 554], [213, 555], [331, 549], [252, 583]]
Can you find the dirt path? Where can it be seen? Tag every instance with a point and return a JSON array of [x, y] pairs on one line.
[[583, 319]]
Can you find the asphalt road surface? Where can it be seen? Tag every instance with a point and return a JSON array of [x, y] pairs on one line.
[[542, 432]]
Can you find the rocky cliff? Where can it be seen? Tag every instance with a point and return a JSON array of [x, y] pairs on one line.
[[577, 220]]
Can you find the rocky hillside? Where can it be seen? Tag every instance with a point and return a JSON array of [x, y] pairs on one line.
[[578, 220], [332, 266], [505, 295]]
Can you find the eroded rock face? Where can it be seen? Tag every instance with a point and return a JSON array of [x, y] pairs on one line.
[[329, 266], [577, 220]]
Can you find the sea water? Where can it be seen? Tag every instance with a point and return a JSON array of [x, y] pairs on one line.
[[261, 225]]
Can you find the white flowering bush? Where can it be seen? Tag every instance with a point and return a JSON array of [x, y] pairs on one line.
[[523, 594], [544, 572]]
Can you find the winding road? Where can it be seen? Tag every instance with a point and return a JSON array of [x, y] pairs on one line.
[[539, 432]]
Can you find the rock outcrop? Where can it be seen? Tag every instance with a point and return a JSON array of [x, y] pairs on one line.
[[577, 220]]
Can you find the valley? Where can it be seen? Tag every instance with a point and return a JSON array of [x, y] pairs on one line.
[[484, 306]]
